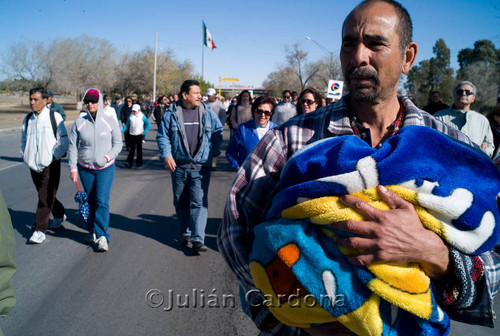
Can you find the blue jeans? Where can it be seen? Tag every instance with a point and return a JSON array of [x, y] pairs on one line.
[[97, 184], [190, 187]]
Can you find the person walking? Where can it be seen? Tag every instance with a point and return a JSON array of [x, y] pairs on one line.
[[95, 142], [285, 109], [44, 141], [189, 136], [161, 106], [139, 125], [242, 111], [53, 106], [125, 112], [309, 100], [246, 137]]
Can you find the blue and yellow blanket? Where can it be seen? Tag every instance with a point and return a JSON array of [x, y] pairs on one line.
[[305, 276]]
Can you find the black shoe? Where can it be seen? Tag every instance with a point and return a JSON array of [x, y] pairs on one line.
[[185, 241], [128, 165], [199, 247]]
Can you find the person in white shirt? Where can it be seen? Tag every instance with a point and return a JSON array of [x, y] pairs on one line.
[[138, 125], [44, 141]]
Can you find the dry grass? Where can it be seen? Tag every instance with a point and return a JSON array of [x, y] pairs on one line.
[[13, 109]]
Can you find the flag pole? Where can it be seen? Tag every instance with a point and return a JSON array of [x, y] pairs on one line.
[[154, 71], [202, 47]]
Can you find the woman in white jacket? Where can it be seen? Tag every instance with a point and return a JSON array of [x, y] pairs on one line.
[[95, 142]]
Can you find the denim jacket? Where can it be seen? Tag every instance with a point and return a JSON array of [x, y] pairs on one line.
[[172, 140]]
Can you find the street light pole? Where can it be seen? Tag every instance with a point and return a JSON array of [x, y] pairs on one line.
[[327, 51]]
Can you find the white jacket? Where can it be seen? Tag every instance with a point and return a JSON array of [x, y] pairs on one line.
[[38, 144]]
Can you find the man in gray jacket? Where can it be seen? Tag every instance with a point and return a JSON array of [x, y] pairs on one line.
[[43, 142], [189, 136]]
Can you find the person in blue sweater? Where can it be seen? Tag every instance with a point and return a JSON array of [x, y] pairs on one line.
[[138, 125], [248, 134]]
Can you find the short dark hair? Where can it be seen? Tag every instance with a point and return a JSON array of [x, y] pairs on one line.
[[317, 98], [186, 86], [283, 93], [105, 97], [238, 99], [263, 100], [405, 30], [43, 92]]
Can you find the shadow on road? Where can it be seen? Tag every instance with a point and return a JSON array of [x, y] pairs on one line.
[[163, 229], [13, 159], [22, 222]]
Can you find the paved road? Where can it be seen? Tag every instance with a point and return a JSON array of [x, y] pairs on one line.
[[65, 288]]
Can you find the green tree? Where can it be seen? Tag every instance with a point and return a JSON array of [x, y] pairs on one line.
[[481, 66], [432, 75]]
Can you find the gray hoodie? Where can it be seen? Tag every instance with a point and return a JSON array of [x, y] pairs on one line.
[[94, 144]]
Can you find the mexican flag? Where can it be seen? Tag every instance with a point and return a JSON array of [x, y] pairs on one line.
[[207, 38]]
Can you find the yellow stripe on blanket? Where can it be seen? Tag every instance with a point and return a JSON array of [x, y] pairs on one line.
[[404, 285]]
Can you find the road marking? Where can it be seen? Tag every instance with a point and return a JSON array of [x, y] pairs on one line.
[[14, 165]]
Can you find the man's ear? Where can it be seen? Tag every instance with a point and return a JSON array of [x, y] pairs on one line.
[[409, 57]]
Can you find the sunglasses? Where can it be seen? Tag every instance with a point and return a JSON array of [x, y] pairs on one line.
[[285, 97], [308, 101], [467, 92], [91, 100], [267, 113]]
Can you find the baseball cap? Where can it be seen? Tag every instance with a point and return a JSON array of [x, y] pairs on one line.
[[118, 97], [50, 94], [211, 92], [136, 107]]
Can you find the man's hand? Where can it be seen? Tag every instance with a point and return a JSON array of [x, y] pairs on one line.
[[484, 145], [74, 177], [395, 235], [170, 164]]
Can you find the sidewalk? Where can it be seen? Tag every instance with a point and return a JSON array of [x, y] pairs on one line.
[[11, 118]]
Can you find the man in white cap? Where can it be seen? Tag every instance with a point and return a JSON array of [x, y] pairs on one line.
[[138, 125], [216, 105], [220, 110]]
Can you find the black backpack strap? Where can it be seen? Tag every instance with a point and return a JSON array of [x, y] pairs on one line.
[[28, 117], [53, 122]]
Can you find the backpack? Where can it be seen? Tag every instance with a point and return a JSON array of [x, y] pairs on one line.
[[52, 121]]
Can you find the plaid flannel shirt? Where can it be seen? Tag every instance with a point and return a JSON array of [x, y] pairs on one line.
[[258, 181]]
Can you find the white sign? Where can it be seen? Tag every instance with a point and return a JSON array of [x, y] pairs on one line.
[[334, 89]]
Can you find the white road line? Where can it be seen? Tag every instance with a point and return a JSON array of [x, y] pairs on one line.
[[14, 165]]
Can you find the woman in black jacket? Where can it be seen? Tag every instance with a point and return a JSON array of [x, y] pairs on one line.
[[161, 106]]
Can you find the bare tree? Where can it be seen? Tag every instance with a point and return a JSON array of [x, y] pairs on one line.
[[25, 61]]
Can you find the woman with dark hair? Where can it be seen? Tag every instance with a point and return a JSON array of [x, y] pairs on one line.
[[309, 100], [242, 111], [248, 134], [494, 118], [125, 113], [161, 106], [95, 142]]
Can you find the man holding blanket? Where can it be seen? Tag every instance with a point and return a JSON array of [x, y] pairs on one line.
[[376, 48]]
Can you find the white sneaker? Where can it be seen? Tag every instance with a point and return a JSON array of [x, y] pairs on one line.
[[102, 244], [57, 222], [90, 238], [37, 237]]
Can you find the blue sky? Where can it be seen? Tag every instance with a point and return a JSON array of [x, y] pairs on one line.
[[250, 35]]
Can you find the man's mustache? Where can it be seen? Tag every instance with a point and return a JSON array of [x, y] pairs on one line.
[[362, 72]]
